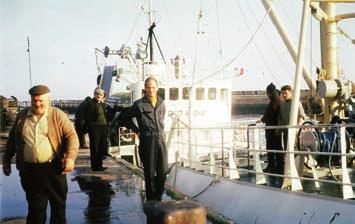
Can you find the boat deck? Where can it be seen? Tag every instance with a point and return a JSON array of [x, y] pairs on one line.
[[275, 180]]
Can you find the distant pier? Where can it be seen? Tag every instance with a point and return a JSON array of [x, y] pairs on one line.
[[68, 106], [243, 102]]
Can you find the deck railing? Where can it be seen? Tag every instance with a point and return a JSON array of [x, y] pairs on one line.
[[237, 151]]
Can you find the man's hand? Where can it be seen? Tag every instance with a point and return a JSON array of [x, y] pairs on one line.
[[68, 165], [6, 169]]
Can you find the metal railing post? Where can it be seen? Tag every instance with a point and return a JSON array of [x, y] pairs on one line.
[[346, 183], [248, 144], [177, 152], [233, 172], [222, 137], [290, 167], [259, 177]]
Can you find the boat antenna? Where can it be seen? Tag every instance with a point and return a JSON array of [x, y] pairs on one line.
[[151, 27], [150, 13], [191, 154], [219, 30], [29, 60], [151, 35]]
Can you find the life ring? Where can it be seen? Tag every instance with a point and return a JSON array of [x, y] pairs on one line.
[[126, 135]]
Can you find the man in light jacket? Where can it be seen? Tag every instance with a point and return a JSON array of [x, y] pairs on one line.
[[46, 145]]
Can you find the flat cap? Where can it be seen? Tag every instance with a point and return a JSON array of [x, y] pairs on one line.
[[38, 90], [99, 90]]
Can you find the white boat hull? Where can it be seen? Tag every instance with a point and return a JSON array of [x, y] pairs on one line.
[[249, 203]]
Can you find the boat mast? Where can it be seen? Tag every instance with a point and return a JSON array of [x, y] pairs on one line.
[[29, 60], [150, 14], [331, 86], [191, 152], [151, 35], [328, 32]]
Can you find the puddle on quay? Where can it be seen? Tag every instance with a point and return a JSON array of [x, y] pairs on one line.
[[90, 200], [13, 201]]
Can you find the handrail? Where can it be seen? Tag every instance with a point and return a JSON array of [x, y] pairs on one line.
[[212, 142]]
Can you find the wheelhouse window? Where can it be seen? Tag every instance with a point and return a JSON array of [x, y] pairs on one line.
[[173, 93], [224, 94], [212, 93], [185, 93], [161, 93], [200, 93]]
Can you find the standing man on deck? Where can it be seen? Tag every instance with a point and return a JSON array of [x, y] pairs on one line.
[[270, 118], [284, 118], [149, 112], [81, 126], [46, 145], [97, 117]]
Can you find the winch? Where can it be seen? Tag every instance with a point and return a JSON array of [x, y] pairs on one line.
[[326, 141]]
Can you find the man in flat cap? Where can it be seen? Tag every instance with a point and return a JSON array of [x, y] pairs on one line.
[[46, 145], [97, 116]]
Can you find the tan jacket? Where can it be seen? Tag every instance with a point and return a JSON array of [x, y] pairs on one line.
[[61, 134]]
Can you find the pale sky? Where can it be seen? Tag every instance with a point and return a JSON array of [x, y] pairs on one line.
[[63, 35]]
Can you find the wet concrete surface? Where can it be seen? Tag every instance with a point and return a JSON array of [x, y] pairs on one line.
[[115, 195]]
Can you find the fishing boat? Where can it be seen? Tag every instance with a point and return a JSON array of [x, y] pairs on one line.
[[220, 163], [189, 101]]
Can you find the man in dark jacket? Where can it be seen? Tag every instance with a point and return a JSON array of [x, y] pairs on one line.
[[97, 116], [149, 112], [273, 140], [80, 126]]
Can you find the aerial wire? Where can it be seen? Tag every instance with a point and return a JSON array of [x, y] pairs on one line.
[[241, 50], [200, 15], [283, 63], [190, 106], [291, 23], [311, 55], [219, 32], [133, 27], [256, 45], [29, 60]]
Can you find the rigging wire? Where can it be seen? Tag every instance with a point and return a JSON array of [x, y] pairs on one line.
[[293, 25], [196, 43], [256, 45], [288, 18], [345, 34], [219, 30], [240, 52], [311, 55], [283, 63], [133, 27]]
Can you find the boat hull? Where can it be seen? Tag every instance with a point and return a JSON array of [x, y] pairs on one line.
[[250, 203]]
